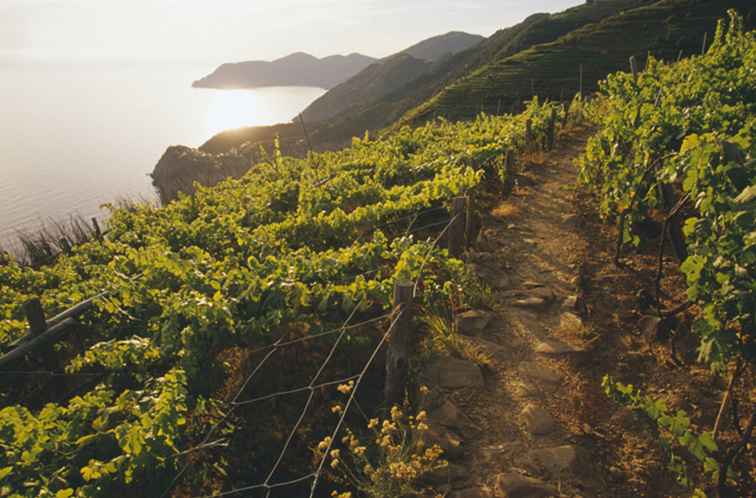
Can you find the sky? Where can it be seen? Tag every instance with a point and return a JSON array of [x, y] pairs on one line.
[[231, 30]]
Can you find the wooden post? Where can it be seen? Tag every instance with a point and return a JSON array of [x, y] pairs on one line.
[[634, 67], [580, 83], [458, 228], [528, 132], [552, 129], [705, 41], [397, 356], [35, 315], [306, 134], [96, 226], [65, 245]]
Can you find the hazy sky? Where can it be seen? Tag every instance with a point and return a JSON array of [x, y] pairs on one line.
[[221, 30]]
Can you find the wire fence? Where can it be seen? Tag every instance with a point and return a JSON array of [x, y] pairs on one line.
[[314, 385], [311, 388]]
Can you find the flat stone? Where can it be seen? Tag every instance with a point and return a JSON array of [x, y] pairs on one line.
[[570, 322], [530, 284], [555, 347], [453, 474], [488, 347], [503, 282], [473, 322], [514, 485], [455, 373], [530, 302], [544, 293], [537, 420], [471, 493], [554, 461], [536, 371], [570, 303], [446, 415]]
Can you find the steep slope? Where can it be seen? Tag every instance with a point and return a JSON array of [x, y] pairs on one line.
[[390, 74], [377, 113], [298, 69], [668, 29], [442, 45]]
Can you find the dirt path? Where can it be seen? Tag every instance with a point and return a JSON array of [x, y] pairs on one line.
[[523, 431], [562, 315]]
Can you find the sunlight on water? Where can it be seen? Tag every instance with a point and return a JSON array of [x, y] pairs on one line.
[[238, 108], [96, 133]]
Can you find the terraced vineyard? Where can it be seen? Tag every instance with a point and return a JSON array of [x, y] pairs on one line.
[[295, 245], [676, 143], [665, 29]]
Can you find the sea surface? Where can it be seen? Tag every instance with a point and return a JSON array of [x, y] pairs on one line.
[[75, 136]]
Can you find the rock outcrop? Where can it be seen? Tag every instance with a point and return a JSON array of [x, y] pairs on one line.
[[180, 167]]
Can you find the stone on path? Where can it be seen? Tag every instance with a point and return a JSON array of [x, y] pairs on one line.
[[530, 284], [446, 415], [570, 303], [491, 348], [570, 323], [538, 372], [555, 347], [537, 420], [453, 474], [530, 302], [554, 461], [453, 373], [471, 493], [512, 485], [473, 322]]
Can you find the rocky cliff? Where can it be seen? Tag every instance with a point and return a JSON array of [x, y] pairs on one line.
[[180, 167]]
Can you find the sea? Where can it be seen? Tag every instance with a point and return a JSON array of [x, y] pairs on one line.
[[74, 136]]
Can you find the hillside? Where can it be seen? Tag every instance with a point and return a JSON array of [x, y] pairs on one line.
[[390, 75], [361, 112], [298, 69], [667, 29], [556, 302], [194, 291]]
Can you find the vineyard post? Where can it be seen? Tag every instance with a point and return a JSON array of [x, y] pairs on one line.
[[306, 134], [580, 84], [96, 226], [552, 129], [65, 245], [528, 132], [458, 227], [634, 67], [397, 356], [35, 315], [705, 41]]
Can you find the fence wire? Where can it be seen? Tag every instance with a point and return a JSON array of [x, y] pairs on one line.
[[313, 386]]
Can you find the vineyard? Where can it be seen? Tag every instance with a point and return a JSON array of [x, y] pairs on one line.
[[675, 149], [294, 249], [234, 341], [677, 141]]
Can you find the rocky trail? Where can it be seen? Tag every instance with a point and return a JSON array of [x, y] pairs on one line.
[[526, 425]]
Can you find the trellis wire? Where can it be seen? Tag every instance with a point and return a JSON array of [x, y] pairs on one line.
[[312, 386]]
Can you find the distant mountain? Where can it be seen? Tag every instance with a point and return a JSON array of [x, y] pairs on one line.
[[390, 74], [442, 45], [298, 69], [502, 80], [540, 56]]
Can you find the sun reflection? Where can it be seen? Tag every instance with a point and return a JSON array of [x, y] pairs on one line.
[[228, 109]]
